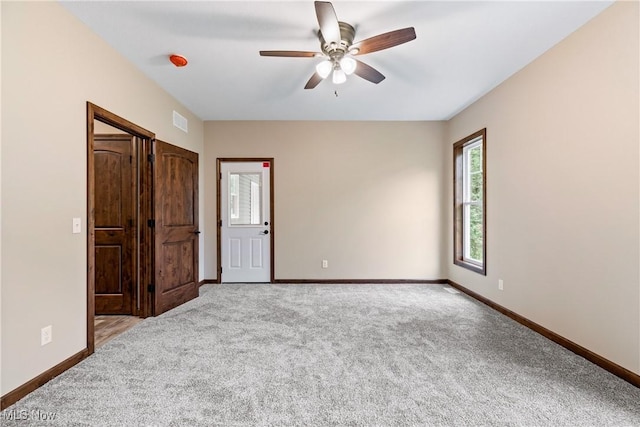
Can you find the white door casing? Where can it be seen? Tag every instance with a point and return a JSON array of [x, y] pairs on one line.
[[246, 223]]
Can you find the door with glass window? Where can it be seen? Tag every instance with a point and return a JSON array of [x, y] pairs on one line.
[[245, 221]]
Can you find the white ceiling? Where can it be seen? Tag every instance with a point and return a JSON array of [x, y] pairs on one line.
[[462, 51]]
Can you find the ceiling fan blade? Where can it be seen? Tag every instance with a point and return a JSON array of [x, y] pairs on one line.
[[289, 53], [328, 21], [385, 41], [369, 73], [313, 81]]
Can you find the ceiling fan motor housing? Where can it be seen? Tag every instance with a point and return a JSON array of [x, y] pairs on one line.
[[337, 50]]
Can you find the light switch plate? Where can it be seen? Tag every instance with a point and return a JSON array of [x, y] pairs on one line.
[[46, 335], [77, 225]]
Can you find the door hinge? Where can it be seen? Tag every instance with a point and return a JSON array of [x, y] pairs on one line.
[[220, 223], [151, 157], [151, 223], [151, 289], [130, 159]]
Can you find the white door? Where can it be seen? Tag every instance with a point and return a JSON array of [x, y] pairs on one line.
[[246, 223]]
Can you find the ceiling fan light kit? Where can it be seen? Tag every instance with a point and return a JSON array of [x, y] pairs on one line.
[[338, 49]]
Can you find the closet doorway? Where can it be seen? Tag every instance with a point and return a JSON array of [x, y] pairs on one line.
[[142, 221]]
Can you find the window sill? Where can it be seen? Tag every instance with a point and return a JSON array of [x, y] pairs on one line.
[[480, 269]]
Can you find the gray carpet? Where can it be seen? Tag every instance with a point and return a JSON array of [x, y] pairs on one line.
[[244, 355]]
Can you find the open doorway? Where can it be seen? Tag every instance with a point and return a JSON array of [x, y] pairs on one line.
[[118, 245], [142, 224]]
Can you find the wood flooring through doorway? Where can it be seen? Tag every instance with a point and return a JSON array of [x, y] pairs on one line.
[[110, 326]]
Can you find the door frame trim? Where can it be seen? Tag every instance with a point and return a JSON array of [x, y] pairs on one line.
[[95, 112], [219, 162]]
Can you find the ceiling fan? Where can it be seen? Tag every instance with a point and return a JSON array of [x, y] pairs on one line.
[[338, 49]]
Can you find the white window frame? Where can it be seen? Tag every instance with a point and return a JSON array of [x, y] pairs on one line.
[[466, 198], [462, 202]]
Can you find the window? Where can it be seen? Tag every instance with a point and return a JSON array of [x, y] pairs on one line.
[[470, 219], [245, 205]]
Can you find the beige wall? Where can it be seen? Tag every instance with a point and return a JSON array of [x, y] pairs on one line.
[[563, 188], [51, 65], [103, 128], [366, 196]]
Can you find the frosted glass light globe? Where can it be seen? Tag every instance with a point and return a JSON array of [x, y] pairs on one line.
[[324, 69], [348, 65], [339, 76]]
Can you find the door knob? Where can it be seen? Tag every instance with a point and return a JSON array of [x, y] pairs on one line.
[[265, 232], [196, 232]]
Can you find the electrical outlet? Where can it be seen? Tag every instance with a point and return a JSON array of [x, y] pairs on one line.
[[325, 263], [46, 335], [501, 284]]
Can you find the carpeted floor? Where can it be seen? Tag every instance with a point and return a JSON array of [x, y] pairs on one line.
[[317, 355]]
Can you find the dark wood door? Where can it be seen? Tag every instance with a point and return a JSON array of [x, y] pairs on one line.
[[115, 223], [175, 177]]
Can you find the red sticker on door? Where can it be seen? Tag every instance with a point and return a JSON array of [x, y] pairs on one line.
[[265, 164]]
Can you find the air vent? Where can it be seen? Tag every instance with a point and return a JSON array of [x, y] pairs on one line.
[[180, 122]]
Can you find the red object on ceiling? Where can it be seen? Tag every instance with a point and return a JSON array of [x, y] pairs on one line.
[[178, 61]]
